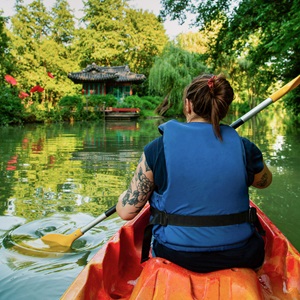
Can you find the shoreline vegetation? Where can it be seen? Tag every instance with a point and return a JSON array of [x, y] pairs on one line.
[[40, 46]]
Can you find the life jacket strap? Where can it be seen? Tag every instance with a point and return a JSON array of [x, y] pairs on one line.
[[164, 219]]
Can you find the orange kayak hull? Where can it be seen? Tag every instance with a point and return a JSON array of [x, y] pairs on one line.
[[115, 272]]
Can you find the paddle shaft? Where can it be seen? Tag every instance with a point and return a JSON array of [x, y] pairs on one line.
[[274, 97], [103, 216]]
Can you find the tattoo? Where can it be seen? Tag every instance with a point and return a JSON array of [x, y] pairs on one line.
[[142, 187], [141, 159], [147, 167], [263, 181]]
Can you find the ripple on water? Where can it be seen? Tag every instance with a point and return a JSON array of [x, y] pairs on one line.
[[26, 238], [9, 222]]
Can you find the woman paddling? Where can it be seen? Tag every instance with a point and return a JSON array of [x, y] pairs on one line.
[[196, 178]]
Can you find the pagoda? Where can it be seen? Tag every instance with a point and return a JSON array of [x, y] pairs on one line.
[[97, 80]]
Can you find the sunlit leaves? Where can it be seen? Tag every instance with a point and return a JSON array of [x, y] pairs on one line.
[[6, 65], [146, 39], [63, 26], [117, 35]]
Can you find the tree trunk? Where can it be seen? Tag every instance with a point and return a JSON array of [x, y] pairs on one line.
[[164, 106]]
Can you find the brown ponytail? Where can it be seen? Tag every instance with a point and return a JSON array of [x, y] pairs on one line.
[[211, 96]]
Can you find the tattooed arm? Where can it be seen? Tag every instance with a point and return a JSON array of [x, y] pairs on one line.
[[262, 179], [141, 187]]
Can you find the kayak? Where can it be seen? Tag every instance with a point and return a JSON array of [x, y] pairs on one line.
[[115, 272]]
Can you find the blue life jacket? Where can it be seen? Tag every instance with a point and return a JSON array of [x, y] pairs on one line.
[[206, 177]]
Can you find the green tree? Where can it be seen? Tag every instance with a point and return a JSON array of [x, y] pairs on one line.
[[30, 27], [31, 21], [38, 49], [170, 74], [63, 26], [146, 40], [11, 108], [274, 24], [104, 38], [114, 35], [6, 65]]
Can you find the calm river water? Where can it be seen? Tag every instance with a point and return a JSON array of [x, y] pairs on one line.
[[59, 177]]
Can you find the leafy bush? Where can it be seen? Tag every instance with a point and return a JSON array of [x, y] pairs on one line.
[[132, 102], [150, 102], [70, 101], [11, 108], [96, 100], [146, 102], [71, 106]]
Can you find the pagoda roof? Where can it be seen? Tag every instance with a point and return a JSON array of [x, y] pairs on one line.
[[95, 73]]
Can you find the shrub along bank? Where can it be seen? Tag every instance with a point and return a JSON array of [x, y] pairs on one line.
[[14, 110]]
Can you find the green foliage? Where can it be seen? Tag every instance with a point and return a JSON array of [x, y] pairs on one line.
[[151, 102], [171, 73], [38, 48], [132, 102], [294, 106], [11, 108], [241, 107], [144, 103], [63, 26], [256, 51], [42, 41], [6, 65], [101, 40], [146, 40], [32, 22], [70, 101], [95, 100], [117, 35]]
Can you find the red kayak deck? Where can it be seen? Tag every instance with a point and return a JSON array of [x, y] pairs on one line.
[[115, 272]]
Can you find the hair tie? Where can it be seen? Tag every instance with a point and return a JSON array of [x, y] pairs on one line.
[[210, 82]]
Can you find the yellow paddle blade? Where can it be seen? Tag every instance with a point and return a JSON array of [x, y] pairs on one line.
[[38, 248], [288, 87], [53, 239]]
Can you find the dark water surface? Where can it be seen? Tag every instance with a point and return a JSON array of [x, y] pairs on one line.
[[57, 178]]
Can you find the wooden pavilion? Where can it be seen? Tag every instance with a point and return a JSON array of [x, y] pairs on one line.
[[99, 80]]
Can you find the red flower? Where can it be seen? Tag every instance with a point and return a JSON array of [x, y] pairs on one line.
[[36, 88], [23, 95], [10, 80], [50, 75]]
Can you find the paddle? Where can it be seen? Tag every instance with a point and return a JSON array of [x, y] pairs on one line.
[[273, 98], [67, 240]]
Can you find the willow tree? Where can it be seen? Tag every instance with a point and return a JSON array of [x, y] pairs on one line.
[[170, 74]]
